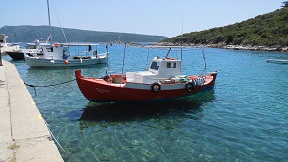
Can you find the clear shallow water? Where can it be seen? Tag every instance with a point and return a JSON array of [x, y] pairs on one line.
[[244, 119]]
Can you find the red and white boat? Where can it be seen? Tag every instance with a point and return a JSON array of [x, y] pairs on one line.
[[163, 80]]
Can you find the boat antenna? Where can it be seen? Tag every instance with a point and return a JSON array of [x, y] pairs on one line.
[[181, 37], [123, 64], [168, 53], [123, 60], [204, 61], [106, 71], [147, 58], [49, 21], [107, 48]]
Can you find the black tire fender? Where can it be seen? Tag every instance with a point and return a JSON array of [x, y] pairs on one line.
[[155, 87], [189, 87]]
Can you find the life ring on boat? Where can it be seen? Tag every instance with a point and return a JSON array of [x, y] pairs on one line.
[[189, 87], [155, 87], [170, 58], [57, 44]]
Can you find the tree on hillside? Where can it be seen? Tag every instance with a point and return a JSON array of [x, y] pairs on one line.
[[269, 30], [285, 4]]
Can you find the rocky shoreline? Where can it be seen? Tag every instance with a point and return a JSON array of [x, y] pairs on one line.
[[251, 48], [234, 47]]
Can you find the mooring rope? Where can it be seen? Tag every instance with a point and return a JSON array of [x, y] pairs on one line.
[[51, 85], [53, 137]]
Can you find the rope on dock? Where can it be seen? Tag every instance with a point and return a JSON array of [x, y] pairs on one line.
[[51, 85], [53, 137]]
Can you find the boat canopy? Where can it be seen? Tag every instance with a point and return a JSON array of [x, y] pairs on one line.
[[80, 44]]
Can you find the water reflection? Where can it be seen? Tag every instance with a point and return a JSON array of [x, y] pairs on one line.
[[59, 75], [109, 113]]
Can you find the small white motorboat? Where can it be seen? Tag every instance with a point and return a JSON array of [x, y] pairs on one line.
[[4, 46], [34, 47], [278, 61]]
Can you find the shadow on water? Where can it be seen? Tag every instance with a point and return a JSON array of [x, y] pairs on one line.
[[58, 74], [70, 68], [124, 112]]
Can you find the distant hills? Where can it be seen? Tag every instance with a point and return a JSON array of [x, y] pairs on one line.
[[269, 30], [264, 32], [28, 33]]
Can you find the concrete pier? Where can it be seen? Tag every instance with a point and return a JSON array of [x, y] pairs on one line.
[[24, 136]]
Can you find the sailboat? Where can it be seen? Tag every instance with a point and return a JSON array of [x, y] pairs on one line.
[[58, 54]]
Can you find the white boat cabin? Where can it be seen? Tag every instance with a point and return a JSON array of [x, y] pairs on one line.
[[160, 69], [61, 51], [37, 45], [57, 52]]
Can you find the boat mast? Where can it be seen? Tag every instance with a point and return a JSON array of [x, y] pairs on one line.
[[49, 21], [181, 37], [123, 61], [204, 58]]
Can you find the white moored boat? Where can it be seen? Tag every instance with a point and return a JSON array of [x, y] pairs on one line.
[[58, 55], [4, 46], [34, 47], [278, 61]]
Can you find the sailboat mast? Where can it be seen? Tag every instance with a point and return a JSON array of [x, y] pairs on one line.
[[49, 20], [181, 37]]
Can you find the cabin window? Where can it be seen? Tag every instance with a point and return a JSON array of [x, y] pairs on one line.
[[31, 47], [171, 65], [168, 64], [154, 66], [50, 49], [174, 65]]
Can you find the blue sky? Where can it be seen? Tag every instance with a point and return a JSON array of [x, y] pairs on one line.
[[149, 17]]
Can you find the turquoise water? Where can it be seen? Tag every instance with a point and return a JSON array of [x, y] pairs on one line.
[[244, 119]]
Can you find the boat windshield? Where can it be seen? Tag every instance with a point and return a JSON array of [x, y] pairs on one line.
[[31, 47], [154, 65]]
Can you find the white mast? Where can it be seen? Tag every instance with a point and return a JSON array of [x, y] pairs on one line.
[[49, 21]]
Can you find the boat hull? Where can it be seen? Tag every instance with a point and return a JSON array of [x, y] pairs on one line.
[[16, 55], [101, 91], [46, 63]]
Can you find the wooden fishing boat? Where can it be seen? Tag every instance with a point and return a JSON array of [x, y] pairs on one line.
[[163, 80]]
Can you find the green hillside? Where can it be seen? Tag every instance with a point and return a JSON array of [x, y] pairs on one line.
[[264, 30], [27, 33]]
